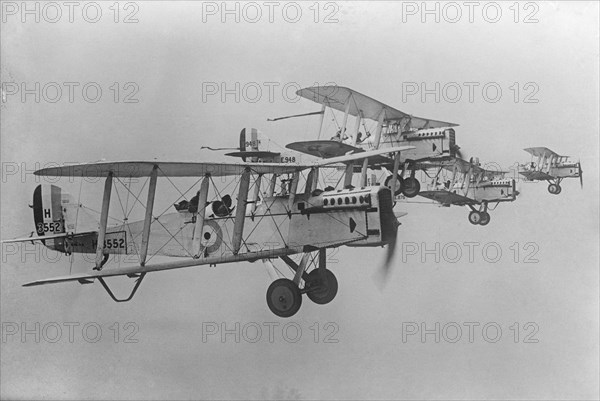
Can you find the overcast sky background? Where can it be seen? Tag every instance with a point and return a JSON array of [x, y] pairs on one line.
[[173, 53]]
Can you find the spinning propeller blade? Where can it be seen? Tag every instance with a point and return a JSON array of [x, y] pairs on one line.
[[457, 151], [386, 267], [580, 173]]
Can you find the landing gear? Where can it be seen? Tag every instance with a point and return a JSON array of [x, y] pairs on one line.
[[474, 217], [284, 297], [479, 217], [321, 286], [411, 187], [485, 218], [399, 184], [408, 186], [554, 189]]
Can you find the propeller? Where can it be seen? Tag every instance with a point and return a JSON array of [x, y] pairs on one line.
[[456, 150], [386, 267], [580, 173]]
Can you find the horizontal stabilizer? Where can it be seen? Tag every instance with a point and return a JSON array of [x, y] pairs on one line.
[[261, 154], [45, 237]]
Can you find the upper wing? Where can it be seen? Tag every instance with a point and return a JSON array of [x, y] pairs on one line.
[[191, 169], [166, 169], [336, 97], [541, 152]]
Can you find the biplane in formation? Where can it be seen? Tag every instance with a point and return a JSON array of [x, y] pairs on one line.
[[429, 139], [549, 166], [466, 183], [280, 206], [260, 224]]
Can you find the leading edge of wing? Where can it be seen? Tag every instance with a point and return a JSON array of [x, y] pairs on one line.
[[165, 169], [194, 169]]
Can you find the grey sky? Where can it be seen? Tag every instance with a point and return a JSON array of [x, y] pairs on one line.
[[172, 56]]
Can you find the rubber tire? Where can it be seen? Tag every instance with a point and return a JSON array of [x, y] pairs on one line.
[[325, 295], [474, 217], [400, 180], [284, 297], [411, 187], [553, 189], [485, 219], [558, 189]]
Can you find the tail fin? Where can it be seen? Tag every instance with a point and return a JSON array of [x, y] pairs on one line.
[[56, 212], [249, 145], [47, 211]]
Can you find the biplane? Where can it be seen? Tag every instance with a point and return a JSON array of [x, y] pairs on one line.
[[551, 167], [429, 139], [256, 223], [466, 183]]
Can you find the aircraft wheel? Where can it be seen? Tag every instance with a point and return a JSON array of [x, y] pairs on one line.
[[474, 217], [399, 180], [321, 291], [411, 187], [558, 190], [485, 219], [553, 189], [284, 297]]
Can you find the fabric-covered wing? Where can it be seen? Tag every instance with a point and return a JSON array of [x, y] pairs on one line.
[[165, 169], [536, 175], [336, 97], [447, 198], [541, 151], [330, 150], [323, 149], [191, 169]]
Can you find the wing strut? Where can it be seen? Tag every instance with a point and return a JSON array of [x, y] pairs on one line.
[[240, 213], [356, 128], [103, 222], [148, 215], [321, 120], [365, 166], [345, 121], [272, 184], [293, 189], [256, 194], [348, 174], [379, 128], [202, 197], [395, 173]]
